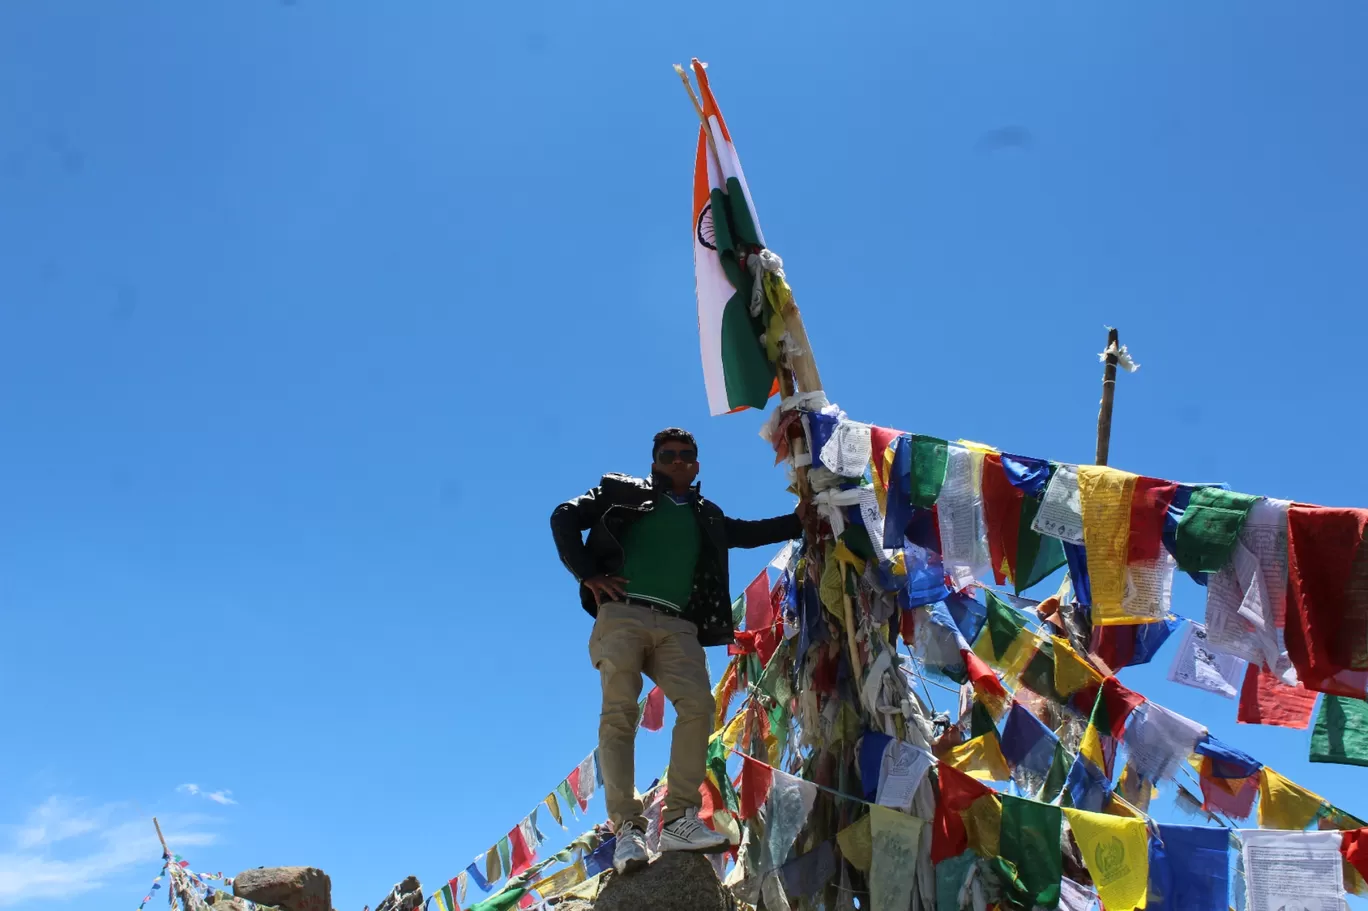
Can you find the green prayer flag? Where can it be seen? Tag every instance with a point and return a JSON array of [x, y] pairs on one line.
[[1037, 555], [506, 899], [1059, 773], [929, 456], [567, 796], [738, 611], [505, 851], [1039, 674], [1341, 732], [1030, 840], [1003, 625], [980, 721], [449, 897], [1209, 527]]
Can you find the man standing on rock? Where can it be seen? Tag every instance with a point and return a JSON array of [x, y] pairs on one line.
[[653, 574]]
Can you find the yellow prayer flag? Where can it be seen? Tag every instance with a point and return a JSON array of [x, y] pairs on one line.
[[1106, 499], [844, 555], [1116, 853], [1284, 804], [893, 867], [559, 881], [857, 844], [1014, 660], [980, 758], [1071, 673], [553, 805], [732, 732], [439, 901], [983, 825]]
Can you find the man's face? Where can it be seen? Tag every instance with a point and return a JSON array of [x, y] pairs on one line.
[[677, 461]]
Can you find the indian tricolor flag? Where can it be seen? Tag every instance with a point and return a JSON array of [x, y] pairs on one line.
[[736, 369]]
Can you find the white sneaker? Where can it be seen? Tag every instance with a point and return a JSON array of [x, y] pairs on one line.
[[630, 852], [688, 834]]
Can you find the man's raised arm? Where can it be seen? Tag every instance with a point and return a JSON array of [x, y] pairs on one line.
[[760, 532]]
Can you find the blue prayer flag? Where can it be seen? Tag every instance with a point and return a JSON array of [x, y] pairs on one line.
[[1026, 741], [1188, 869]]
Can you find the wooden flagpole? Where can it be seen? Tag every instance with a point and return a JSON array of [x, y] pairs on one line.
[[1104, 414]]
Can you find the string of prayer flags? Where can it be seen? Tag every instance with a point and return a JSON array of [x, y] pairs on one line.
[[1116, 853], [1209, 528], [1196, 665], [1264, 699], [1189, 869], [1030, 842], [1105, 496], [1327, 598], [894, 838], [1284, 804], [1341, 731], [1292, 869]]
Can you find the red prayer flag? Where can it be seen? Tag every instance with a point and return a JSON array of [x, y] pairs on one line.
[[1118, 702], [984, 680], [756, 779], [1002, 514], [712, 802], [653, 719], [521, 856], [1149, 508], [957, 791], [880, 438], [1354, 847], [1327, 598], [1264, 699], [573, 780], [758, 612]]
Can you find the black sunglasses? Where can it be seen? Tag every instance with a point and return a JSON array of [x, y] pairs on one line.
[[668, 456]]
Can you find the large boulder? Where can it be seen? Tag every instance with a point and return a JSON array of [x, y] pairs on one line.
[[405, 896], [289, 888], [677, 881]]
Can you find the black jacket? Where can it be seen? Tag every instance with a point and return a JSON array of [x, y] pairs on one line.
[[608, 509]]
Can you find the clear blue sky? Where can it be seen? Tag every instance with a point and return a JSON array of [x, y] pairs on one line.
[[310, 312]]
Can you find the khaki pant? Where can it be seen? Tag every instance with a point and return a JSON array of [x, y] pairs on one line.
[[628, 641]]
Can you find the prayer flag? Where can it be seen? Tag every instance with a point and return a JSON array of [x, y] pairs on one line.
[[1105, 494], [560, 881], [759, 611], [929, 458], [1030, 840], [959, 510], [736, 369], [894, 841], [1209, 528], [1149, 509], [480, 878], [980, 757], [1284, 804], [493, 867], [1036, 555], [1341, 731], [1027, 742], [1116, 853], [1131, 644], [554, 806], [857, 843], [1002, 515], [1327, 598], [1264, 699], [1159, 741], [756, 780], [1291, 870], [1354, 849], [447, 895], [653, 718], [1189, 869], [588, 778], [1004, 641], [1197, 665], [958, 792], [504, 848], [566, 791]]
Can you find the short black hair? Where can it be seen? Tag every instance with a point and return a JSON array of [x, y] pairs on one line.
[[672, 435]]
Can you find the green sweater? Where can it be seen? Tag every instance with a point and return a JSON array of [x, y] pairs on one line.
[[661, 551]]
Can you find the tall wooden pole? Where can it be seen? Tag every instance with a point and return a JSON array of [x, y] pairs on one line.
[[161, 837], [1104, 414]]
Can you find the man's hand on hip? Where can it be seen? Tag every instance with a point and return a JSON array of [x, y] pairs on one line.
[[607, 588]]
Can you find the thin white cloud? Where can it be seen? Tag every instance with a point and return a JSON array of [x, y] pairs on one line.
[[223, 797], [65, 848]]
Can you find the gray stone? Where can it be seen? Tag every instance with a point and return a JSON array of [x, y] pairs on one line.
[[405, 896], [289, 888], [677, 881], [222, 901]]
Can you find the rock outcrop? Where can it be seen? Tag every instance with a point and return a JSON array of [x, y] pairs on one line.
[[673, 882], [405, 896], [288, 888]]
